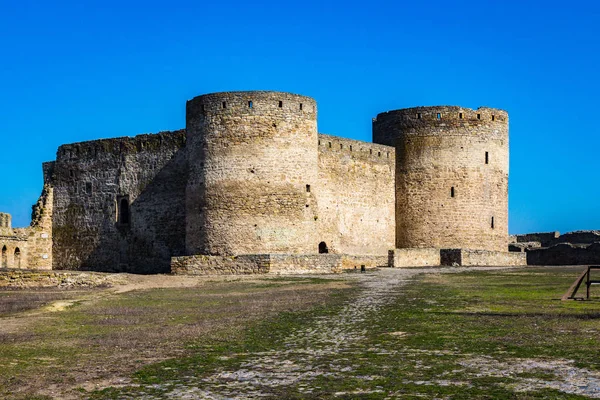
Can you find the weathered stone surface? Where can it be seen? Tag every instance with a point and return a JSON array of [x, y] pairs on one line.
[[565, 254], [94, 182], [251, 178], [257, 264], [356, 197], [406, 258], [451, 176], [544, 238], [482, 258]]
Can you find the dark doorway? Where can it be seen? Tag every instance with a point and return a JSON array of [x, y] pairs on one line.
[[4, 257], [323, 248], [17, 258], [124, 216]]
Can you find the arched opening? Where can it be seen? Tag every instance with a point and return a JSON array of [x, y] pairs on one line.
[[17, 258], [323, 248], [4, 257], [124, 216]]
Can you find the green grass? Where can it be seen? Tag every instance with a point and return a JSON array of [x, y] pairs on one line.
[[112, 335], [444, 319]]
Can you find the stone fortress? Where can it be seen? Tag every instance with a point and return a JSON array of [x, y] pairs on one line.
[[250, 186]]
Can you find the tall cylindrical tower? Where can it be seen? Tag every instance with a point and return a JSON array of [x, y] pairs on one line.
[[451, 176], [252, 161]]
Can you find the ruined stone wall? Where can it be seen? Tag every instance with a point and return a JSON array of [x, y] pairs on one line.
[[119, 204], [13, 244], [451, 176], [481, 258], [544, 238], [565, 254], [576, 237], [253, 164], [356, 197]]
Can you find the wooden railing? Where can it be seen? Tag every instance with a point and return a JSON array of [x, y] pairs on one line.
[[585, 275]]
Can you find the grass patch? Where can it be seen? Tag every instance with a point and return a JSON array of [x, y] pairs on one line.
[[113, 335]]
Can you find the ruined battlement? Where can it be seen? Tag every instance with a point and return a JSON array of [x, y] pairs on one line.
[[5, 221], [120, 146]]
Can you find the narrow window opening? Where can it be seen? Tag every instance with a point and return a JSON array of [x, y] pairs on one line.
[[478, 116], [452, 191], [493, 117], [319, 142], [370, 151], [307, 188], [323, 248], [329, 144], [388, 154], [17, 258], [341, 146], [492, 222], [439, 116], [71, 173], [378, 154], [350, 147], [280, 103], [88, 187], [300, 106], [250, 104], [460, 116], [124, 214], [203, 108], [418, 115], [487, 158], [224, 104]]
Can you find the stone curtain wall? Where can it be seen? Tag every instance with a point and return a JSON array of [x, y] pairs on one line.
[[93, 180], [355, 193], [253, 171], [451, 176]]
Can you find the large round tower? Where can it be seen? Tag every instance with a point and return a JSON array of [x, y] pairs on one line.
[[451, 176], [252, 161]]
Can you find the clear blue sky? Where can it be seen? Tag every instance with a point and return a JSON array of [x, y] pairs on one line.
[[80, 70]]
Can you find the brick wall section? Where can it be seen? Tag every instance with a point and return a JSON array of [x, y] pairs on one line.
[[440, 148], [90, 181], [356, 196], [251, 157]]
